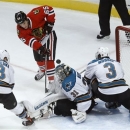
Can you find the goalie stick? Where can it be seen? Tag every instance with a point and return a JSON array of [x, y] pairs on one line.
[[82, 71]]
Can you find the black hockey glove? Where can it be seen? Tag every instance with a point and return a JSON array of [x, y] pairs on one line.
[[48, 27], [85, 80], [43, 51]]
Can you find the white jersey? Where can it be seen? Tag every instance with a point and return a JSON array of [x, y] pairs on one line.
[[109, 74], [6, 78], [76, 91]]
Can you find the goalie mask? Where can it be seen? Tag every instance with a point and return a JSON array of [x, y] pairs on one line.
[[4, 55], [62, 71], [102, 52]]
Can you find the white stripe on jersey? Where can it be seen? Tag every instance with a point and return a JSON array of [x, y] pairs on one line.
[[114, 90], [5, 90], [51, 72], [31, 42], [51, 12]]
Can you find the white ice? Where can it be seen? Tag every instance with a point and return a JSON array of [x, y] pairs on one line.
[[76, 46]]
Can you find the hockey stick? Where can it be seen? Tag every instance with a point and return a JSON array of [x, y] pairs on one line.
[[46, 90], [82, 71]]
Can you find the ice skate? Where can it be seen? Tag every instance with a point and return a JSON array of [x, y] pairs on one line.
[[39, 75], [100, 37]]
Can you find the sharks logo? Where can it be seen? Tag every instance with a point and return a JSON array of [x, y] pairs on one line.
[[68, 86]]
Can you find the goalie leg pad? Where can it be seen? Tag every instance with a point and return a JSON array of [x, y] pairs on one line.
[[49, 111]]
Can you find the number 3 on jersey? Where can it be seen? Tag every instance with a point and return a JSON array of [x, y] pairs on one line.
[[111, 69], [2, 72]]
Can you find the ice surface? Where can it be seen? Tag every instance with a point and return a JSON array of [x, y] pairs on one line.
[[76, 46]]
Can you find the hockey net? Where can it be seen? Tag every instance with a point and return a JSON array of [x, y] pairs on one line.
[[122, 35]]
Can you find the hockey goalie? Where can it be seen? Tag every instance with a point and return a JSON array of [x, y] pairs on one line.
[[70, 96]]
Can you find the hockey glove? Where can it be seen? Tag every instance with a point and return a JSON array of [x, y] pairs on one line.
[[78, 116], [85, 80], [48, 27], [43, 51]]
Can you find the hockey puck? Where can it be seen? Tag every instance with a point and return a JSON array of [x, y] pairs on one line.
[[58, 61]]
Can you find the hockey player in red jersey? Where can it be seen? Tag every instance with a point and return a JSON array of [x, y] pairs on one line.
[[35, 29]]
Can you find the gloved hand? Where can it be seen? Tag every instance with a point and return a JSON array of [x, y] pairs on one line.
[[44, 51], [78, 116], [86, 80], [48, 27]]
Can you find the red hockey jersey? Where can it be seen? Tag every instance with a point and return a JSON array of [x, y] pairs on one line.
[[37, 18]]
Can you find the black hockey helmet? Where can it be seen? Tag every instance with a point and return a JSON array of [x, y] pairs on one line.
[[20, 17]]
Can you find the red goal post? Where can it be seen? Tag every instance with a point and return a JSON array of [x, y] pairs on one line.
[[122, 39]]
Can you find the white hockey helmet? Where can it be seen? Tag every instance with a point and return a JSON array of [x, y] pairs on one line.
[[62, 71], [4, 55], [102, 52]]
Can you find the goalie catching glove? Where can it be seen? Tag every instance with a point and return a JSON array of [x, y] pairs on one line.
[[44, 51], [48, 27], [78, 116]]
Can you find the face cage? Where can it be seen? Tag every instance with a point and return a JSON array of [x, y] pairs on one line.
[[60, 74]]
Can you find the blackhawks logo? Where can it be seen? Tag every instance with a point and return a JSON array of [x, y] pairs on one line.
[[38, 32]]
